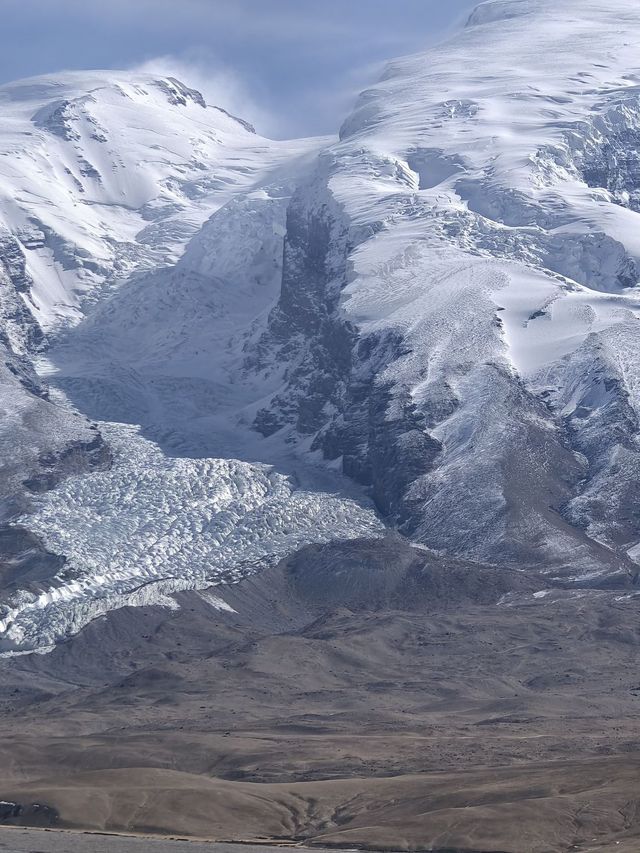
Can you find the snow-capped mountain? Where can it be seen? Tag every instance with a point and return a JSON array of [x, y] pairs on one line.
[[437, 313], [460, 290]]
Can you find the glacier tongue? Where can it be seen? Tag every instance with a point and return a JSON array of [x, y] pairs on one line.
[[153, 525]]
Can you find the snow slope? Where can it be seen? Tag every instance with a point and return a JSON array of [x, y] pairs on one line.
[[105, 173]]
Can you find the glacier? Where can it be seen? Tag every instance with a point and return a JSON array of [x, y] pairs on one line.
[[429, 322], [138, 166], [153, 525]]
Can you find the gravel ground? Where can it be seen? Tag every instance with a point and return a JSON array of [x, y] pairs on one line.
[[59, 841]]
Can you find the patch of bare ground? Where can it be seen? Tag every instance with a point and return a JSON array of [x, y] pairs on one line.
[[369, 695]]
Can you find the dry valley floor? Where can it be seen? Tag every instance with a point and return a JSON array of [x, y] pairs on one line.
[[362, 694]]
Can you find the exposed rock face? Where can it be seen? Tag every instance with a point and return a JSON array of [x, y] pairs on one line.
[[41, 442], [19, 330], [380, 434], [306, 330], [606, 151], [334, 390], [77, 457]]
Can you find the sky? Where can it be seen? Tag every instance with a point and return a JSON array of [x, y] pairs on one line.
[[292, 67]]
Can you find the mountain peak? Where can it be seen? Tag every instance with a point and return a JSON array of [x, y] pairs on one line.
[[179, 94], [50, 96]]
